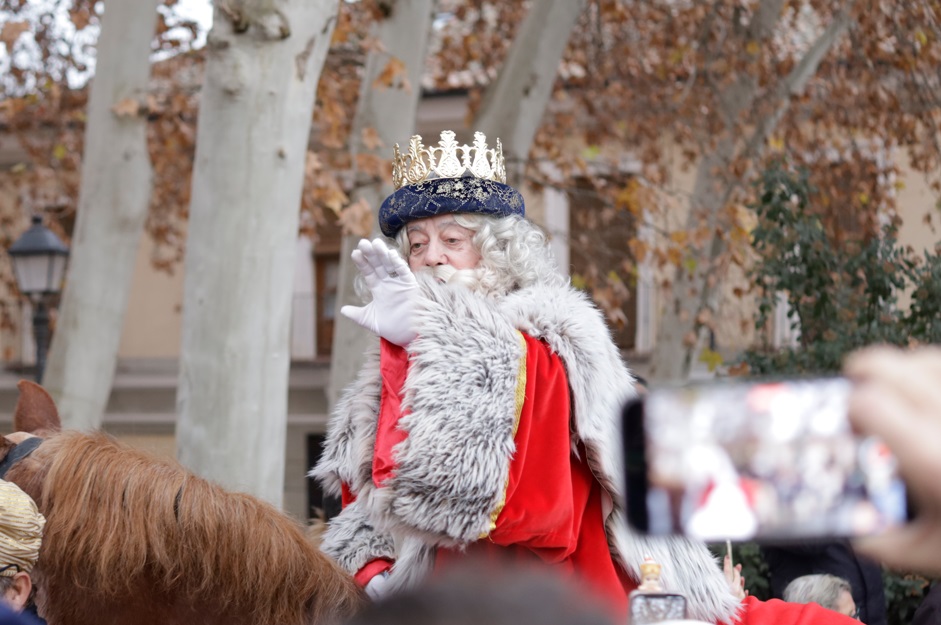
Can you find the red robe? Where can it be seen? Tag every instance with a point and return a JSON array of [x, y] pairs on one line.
[[552, 510]]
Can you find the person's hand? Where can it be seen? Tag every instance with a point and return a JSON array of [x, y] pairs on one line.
[[394, 292], [897, 397], [734, 576]]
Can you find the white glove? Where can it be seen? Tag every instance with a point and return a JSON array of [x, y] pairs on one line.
[[378, 586], [394, 293]]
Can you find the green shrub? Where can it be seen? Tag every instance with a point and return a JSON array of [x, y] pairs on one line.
[[841, 296]]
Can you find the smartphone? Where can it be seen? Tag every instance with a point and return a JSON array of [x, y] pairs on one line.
[[766, 461]]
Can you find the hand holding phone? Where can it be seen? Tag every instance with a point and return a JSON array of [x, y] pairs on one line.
[[897, 396]]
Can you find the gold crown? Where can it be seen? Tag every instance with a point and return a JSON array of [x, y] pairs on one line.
[[422, 163]]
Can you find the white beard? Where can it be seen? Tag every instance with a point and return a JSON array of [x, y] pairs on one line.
[[467, 278]]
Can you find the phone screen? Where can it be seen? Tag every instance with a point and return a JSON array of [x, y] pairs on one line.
[[769, 461]]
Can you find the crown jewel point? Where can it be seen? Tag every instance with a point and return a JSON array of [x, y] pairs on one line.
[[421, 163]]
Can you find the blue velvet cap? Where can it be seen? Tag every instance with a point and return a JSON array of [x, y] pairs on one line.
[[441, 196]]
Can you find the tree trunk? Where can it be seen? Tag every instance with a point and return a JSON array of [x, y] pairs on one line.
[[112, 206], [681, 334], [254, 123], [514, 103], [391, 111]]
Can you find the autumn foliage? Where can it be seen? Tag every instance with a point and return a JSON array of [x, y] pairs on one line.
[[644, 90]]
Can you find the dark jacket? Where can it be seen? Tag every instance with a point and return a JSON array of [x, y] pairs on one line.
[[836, 558], [929, 612], [9, 617]]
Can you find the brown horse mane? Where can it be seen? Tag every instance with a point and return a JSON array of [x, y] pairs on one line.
[[119, 518]]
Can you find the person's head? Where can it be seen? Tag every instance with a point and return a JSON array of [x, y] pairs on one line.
[[828, 591], [475, 594], [21, 527], [454, 217]]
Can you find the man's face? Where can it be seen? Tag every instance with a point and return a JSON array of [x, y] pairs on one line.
[[846, 605], [439, 240]]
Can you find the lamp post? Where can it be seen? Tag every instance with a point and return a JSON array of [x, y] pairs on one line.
[[39, 259]]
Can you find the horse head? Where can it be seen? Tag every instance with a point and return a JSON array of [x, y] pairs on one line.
[[34, 419]]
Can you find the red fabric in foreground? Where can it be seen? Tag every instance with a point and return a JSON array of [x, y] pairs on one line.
[[777, 612]]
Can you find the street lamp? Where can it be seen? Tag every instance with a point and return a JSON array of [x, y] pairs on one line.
[[39, 258]]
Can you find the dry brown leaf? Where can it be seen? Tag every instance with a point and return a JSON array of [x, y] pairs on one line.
[[11, 31], [371, 139], [356, 219], [394, 74], [638, 249], [80, 17], [312, 163], [372, 165], [333, 197], [128, 107], [372, 44]]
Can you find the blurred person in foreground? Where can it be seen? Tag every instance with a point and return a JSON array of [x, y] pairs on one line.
[[481, 595], [828, 591], [485, 423], [898, 398]]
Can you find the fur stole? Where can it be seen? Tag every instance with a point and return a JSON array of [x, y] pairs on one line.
[[461, 396]]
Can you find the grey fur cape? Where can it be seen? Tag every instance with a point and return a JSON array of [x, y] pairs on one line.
[[451, 468]]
